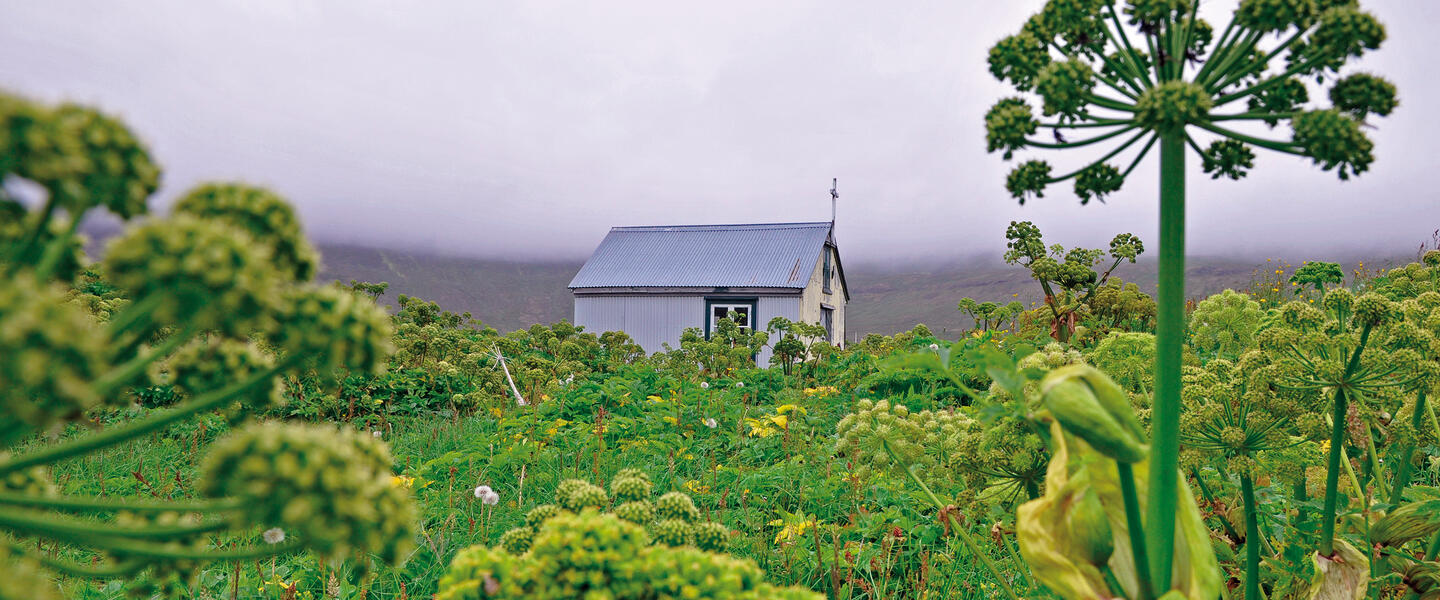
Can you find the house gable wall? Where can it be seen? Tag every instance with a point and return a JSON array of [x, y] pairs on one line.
[[812, 298]]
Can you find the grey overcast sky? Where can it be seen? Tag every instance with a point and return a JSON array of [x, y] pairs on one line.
[[528, 128]]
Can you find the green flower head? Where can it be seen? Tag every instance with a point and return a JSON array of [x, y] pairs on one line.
[[81, 157], [1362, 93], [626, 489], [1006, 125], [1227, 158], [540, 514], [52, 353], [1285, 96], [1268, 16], [1145, 12], [1333, 140], [1374, 309], [1098, 181], [1345, 31], [1172, 105], [1065, 87], [262, 214], [676, 505], [518, 540], [331, 328], [202, 273], [639, 512], [712, 537], [587, 495], [329, 488], [1019, 60], [673, 532], [1029, 178], [208, 365]]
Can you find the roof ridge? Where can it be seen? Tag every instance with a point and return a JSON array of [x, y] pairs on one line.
[[792, 225]]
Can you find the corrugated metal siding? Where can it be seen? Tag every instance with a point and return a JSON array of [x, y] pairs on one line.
[[767, 308], [653, 321], [777, 255]]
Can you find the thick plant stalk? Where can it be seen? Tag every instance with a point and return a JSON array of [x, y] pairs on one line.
[[1407, 454], [1252, 538], [89, 504], [1332, 477], [1126, 475], [1169, 335], [1337, 444], [155, 422]]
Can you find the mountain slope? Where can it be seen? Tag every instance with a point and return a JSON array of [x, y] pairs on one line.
[[508, 294]]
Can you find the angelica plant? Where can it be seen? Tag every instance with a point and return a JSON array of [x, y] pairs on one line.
[[1224, 324], [671, 519], [885, 436], [1233, 414], [229, 267], [1327, 350], [1120, 304], [1068, 277], [988, 315], [1316, 275], [1152, 73], [598, 555]]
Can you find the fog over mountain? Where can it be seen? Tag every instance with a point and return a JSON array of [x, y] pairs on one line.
[[527, 129]]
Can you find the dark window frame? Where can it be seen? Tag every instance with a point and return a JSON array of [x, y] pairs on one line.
[[827, 318], [829, 271], [752, 301]]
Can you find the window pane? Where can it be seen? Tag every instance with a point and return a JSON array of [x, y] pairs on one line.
[[743, 316]]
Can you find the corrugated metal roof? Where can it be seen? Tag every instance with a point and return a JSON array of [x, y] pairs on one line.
[[757, 255]]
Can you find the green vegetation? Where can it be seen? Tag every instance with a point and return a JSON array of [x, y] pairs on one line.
[[193, 417], [1174, 80]]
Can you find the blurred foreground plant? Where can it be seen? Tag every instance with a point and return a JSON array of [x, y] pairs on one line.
[[220, 301]]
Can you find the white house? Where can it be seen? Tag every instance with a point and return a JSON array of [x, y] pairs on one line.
[[653, 282]]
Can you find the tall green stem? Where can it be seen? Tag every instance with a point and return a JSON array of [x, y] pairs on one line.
[[156, 421], [1337, 444], [1136, 528], [1252, 538], [1169, 335], [1301, 496], [1332, 476], [1407, 454]]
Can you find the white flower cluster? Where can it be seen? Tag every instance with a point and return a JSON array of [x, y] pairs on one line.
[[488, 496]]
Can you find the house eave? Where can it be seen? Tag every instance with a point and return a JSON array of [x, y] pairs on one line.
[[686, 291]]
